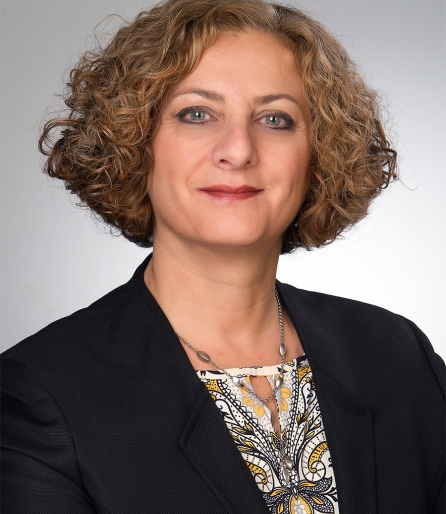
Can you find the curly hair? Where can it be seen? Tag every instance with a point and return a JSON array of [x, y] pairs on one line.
[[102, 149]]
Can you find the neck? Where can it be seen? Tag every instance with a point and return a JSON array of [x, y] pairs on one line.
[[220, 300]]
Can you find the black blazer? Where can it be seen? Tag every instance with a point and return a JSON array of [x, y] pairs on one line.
[[103, 412]]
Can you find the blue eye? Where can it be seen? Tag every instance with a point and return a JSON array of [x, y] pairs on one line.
[[192, 115], [278, 121], [273, 120], [197, 115]]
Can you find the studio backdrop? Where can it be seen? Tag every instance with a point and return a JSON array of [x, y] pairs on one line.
[[56, 259]]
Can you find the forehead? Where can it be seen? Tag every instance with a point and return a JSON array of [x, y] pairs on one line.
[[247, 59], [250, 43]]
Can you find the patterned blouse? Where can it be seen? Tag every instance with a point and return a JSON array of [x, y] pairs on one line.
[[312, 488]]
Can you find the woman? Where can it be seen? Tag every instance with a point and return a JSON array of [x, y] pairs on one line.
[[222, 134]]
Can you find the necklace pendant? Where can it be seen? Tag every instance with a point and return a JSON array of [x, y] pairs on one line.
[[288, 462], [270, 414], [278, 382], [282, 349], [237, 381], [286, 475], [203, 356]]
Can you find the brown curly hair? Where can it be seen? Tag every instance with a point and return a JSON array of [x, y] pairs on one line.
[[101, 149]]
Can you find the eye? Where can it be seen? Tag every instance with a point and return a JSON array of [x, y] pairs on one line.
[[193, 115], [273, 120], [278, 121]]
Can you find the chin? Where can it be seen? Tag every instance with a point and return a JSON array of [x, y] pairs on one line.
[[233, 239]]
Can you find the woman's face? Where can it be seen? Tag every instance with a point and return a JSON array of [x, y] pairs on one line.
[[232, 152]]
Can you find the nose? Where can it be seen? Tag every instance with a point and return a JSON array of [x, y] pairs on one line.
[[235, 148]]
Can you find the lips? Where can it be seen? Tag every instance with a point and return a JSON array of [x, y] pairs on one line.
[[231, 193], [224, 188]]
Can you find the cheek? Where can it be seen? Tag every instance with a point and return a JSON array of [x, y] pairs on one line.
[[157, 156], [305, 179], [175, 157], [163, 168], [293, 172], [293, 183]]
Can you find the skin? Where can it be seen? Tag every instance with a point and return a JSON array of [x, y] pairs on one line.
[[215, 255]]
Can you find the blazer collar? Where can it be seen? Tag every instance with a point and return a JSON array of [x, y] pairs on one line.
[[208, 444]]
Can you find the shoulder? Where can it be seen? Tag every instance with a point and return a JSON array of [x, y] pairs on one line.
[[103, 331], [364, 337], [329, 305], [90, 320], [349, 316]]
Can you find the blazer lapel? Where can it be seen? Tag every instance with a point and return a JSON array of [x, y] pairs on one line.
[[209, 445], [205, 439], [348, 424]]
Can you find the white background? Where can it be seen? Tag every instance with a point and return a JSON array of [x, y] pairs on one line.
[[55, 260]]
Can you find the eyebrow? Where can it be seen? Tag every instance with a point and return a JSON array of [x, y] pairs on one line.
[[217, 97], [209, 95], [266, 99]]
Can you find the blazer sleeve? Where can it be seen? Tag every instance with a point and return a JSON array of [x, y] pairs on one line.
[[40, 472], [438, 368], [435, 361]]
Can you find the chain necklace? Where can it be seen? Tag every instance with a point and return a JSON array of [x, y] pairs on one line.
[[286, 461]]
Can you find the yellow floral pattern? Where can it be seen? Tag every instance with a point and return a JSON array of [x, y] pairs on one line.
[[312, 489]]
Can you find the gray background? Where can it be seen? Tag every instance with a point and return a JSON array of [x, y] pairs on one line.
[[55, 260]]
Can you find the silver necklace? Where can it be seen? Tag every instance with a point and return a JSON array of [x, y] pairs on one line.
[[286, 461]]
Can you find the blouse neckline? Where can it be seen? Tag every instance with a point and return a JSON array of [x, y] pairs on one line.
[[257, 371]]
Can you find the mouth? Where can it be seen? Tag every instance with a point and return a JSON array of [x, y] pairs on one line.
[[231, 193]]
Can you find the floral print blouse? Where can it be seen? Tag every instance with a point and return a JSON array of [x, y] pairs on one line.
[[312, 486]]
